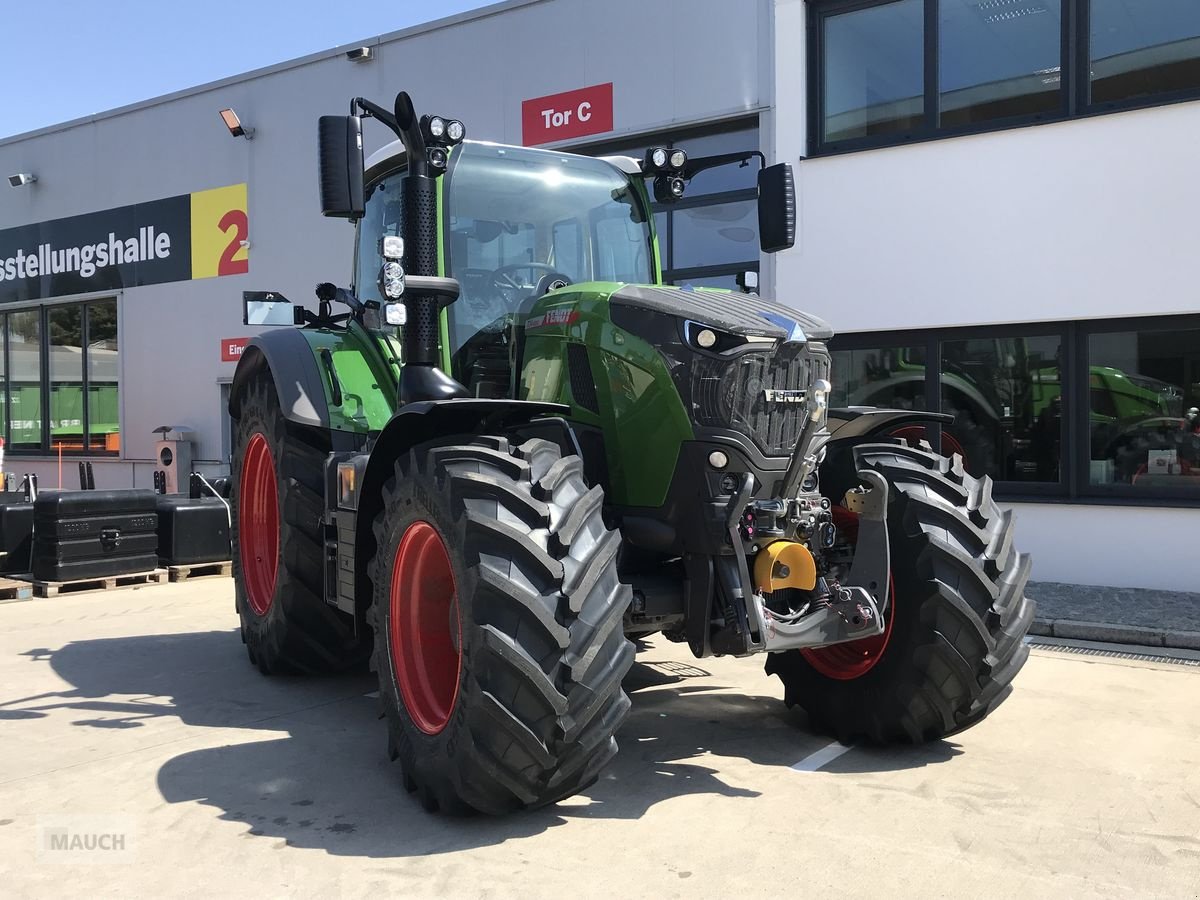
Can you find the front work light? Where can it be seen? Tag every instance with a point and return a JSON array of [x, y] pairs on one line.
[[392, 247], [437, 126], [391, 279], [678, 159], [658, 157], [455, 131], [395, 313]]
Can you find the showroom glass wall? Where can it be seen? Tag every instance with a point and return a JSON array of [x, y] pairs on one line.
[[892, 71], [1087, 410], [59, 378], [710, 236]]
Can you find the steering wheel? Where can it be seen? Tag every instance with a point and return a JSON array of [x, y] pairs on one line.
[[509, 288]]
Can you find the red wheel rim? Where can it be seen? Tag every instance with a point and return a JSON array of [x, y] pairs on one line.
[[258, 524], [854, 659], [425, 628], [917, 433]]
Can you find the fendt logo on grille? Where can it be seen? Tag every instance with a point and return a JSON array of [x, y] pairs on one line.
[[774, 396]]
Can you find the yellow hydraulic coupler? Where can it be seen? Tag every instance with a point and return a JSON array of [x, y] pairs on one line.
[[784, 564]]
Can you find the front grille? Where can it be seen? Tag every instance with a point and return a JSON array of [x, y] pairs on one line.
[[731, 393]]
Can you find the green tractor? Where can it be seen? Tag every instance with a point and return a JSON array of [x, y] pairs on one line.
[[517, 451]]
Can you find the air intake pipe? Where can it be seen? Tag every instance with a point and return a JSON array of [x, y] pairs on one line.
[[420, 379]]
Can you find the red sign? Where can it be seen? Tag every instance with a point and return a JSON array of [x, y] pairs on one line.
[[232, 348], [570, 114]]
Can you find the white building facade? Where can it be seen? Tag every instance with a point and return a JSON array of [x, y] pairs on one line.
[[996, 213]]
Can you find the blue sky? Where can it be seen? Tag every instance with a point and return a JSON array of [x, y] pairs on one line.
[[64, 59]]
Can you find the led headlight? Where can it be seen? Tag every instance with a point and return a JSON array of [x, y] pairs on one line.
[[437, 126], [678, 159], [391, 247], [706, 337], [658, 156], [717, 459], [395, 313], [455, 131], [391, 279]]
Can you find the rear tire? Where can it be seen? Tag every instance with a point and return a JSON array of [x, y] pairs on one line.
[[278, 484], [516, 702], [958, 613]]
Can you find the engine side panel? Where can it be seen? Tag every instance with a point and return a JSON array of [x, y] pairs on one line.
[[615, 383]]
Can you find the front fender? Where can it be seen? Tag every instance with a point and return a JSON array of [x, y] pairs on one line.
[[416, 423], [850, 426], [294, 369]]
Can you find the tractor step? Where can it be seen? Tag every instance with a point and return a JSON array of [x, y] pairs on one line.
[[54, 588], [224, 568]]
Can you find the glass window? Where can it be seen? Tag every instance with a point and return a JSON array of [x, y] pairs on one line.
[[1143, 47], [25, 379], [874, 71], [383, 216], [998, 59], [1006, 398], [891, 377], [103, 368], [66, 377], [1144, 424], [712, 235], [729, 282], [722, 178]]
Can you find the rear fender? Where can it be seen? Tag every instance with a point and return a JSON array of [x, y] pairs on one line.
[[294, 369]]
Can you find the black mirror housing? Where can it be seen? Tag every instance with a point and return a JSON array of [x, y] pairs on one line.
[[776, 208], [340, 151]]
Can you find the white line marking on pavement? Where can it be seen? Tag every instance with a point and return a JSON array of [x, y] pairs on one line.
[[373, 695], [824, 756]]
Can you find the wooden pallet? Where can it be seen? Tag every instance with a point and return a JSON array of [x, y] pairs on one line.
[[107, 583], [12, 590], [223, 568]]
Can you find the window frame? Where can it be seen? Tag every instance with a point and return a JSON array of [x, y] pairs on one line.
[[46, 445], [1074, 484], [1074, 86]]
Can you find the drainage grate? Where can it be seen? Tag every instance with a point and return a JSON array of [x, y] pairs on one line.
[[1115, 654]]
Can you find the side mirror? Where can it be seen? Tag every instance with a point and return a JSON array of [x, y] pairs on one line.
[[269, 308], [340, 150], [776, 208]]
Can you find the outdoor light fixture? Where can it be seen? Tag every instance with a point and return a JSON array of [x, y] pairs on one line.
[[667, 166], [440, 135], [234, 124], [360, 54], [21, 178]]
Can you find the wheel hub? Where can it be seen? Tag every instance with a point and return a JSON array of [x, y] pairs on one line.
[[425, 633], [258, 524]]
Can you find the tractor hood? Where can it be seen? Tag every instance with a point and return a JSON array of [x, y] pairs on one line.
[[740, 314]]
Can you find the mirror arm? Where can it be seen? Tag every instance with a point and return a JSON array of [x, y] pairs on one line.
[[371, 110], [695, 166]]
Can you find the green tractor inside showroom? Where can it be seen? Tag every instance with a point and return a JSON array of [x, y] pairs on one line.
[[514, 452]]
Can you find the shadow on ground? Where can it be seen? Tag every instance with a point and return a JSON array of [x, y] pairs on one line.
[[323, 781]]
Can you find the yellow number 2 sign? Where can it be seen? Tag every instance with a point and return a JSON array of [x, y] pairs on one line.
[[220, 232]]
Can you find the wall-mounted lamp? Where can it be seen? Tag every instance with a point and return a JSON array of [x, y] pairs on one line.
[[235, 126], [21, 178], [360, 54]]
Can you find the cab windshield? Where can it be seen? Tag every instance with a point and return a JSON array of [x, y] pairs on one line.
[[520, 220]]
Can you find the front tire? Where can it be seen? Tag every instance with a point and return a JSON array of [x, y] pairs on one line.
[[955, 625], [498, 619]]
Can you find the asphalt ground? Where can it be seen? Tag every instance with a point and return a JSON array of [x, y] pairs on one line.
[[134, 714]]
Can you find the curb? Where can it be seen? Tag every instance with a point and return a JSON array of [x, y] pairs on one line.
[[1116, 634]]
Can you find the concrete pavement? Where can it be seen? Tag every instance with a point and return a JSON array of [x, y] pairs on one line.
[[136, 711]]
